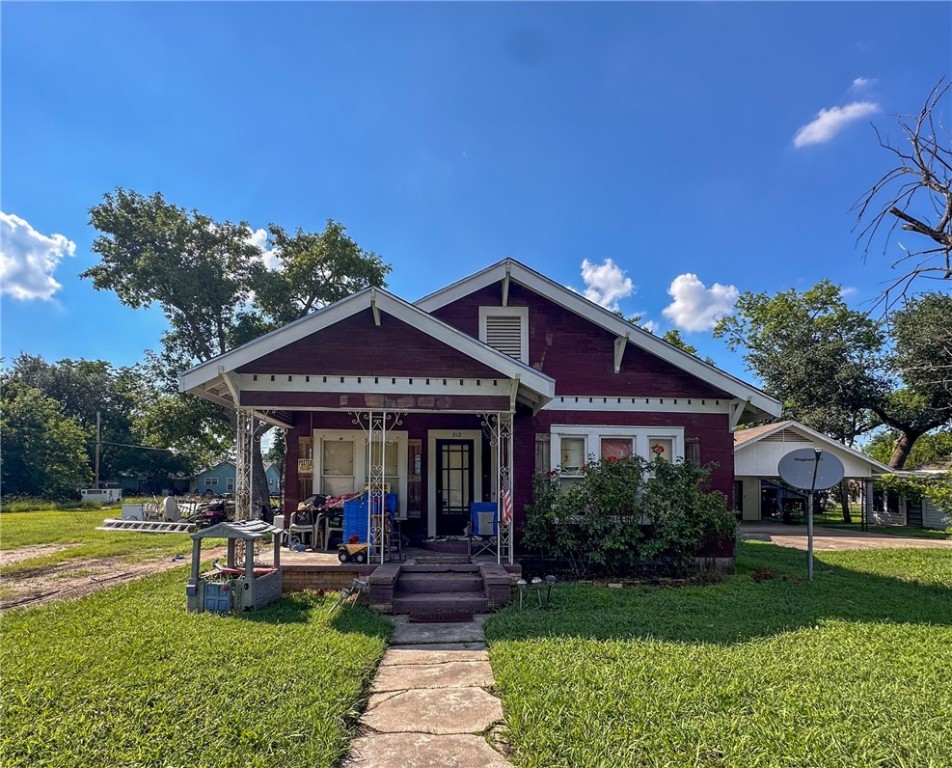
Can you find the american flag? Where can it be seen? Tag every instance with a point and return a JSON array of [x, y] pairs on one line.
[[506, 493]]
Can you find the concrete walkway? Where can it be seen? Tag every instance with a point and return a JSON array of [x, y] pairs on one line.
[[832, 539], [431, 702]]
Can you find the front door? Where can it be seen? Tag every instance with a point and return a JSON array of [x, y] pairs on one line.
[[454, 485]]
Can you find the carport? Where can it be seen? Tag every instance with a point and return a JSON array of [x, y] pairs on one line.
[[759, 492]]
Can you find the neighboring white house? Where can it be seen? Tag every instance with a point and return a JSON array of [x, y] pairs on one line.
[[761, 495]]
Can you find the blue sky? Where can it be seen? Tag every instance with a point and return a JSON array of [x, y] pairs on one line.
[[661, 136]]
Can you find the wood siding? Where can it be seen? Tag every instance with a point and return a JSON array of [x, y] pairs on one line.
[[711, 430], [355, 346], [578, 354]]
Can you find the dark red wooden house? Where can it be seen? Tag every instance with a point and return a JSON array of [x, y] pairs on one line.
[[463, 395]]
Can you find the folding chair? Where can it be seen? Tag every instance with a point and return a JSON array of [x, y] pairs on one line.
[[483, 528]]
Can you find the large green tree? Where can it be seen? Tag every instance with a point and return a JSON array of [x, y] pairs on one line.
[[42, 450], [87, 388], [836, 369], [212, 283], [817, 356]]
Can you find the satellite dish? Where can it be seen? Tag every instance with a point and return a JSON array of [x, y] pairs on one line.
[[170, 509], [797, 469]]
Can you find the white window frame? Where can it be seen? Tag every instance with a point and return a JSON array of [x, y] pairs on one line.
[[229, 484], [359, 437], [210, 481], [640, 437], [521, 312]]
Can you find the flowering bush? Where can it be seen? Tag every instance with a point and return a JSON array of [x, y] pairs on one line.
[[625, 511]]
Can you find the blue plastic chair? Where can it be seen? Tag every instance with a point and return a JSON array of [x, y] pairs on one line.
[[483, 528]]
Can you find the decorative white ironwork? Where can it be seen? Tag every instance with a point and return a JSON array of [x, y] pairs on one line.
[[244, 444], [377, 425], [499, 428]]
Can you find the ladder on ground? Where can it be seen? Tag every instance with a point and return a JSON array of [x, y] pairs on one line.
[[146, 526]]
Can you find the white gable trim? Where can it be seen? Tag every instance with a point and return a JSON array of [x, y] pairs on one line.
[[387, 303], [574, 302], [817, 437]]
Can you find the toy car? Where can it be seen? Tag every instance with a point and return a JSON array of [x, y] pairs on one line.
[[353, 553]]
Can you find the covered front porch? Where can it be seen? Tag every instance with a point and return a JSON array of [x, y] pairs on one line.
[[382, 400]]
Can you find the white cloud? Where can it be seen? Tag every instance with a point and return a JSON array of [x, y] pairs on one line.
[[259, 238], [696, 307], [861, 83], [830, 122], [651, 326], [29, 258], [606, 283]]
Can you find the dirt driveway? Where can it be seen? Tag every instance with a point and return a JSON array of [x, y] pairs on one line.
[[832, 539], [74, 578]]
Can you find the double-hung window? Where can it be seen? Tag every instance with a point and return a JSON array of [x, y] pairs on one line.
[[573, 446]]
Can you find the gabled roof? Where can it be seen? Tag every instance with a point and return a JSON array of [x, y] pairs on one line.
[[508, 269], [747, 437], [197, 379]]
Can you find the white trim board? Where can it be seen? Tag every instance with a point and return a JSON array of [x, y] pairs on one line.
[[755, 399], [402, 385], [614, 403], [432, 435]]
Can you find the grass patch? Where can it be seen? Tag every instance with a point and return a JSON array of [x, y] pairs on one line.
[[126, 677], [852, 671], [77, 531]]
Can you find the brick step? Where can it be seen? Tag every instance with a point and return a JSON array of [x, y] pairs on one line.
[[440, 568], [439, 582], [432, 602]]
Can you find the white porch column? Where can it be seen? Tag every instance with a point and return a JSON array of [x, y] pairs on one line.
[[499, 427], [244, 443], [377, 425]]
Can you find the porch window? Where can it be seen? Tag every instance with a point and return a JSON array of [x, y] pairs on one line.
[[230, 484], [209, 481], [506, 329], [337, 467]]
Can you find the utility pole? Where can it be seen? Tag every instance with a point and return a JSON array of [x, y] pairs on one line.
[[98, 443]]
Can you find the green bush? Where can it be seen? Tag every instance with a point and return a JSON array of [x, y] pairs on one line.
[[624, 513]]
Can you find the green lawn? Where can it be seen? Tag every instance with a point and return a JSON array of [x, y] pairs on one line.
[[126, 677], [77, 530], [855, 670]]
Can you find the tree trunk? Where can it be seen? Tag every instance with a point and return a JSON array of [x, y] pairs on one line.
[[260, 496], [901, 449], [845, 501]]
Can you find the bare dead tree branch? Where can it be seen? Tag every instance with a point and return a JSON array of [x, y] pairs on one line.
[[902, 198]]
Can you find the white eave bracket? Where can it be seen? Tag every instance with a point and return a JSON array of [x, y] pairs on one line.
[[620, 343], [374, 308], [513, 392], [737, 410], [505, 287], [231, 384]]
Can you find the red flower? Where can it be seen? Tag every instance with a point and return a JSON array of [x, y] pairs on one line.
[[658, 449], [612, 459]]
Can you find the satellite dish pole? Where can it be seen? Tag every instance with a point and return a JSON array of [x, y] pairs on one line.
[[809, 470], [816, 466]]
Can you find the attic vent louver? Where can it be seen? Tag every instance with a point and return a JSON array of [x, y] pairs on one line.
[[505, 334]]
